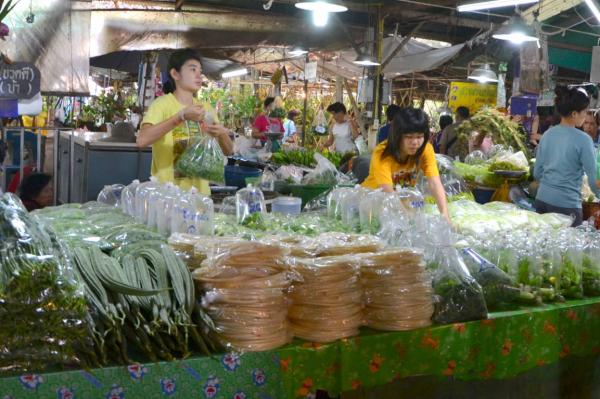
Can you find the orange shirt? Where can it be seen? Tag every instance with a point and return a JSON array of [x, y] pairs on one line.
[[388, 171]]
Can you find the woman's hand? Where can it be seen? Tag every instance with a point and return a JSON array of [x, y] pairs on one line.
[[193, 113], [215, 130]]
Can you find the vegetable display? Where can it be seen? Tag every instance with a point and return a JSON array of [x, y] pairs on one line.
[[139, 293], [306, 157], [42, 308]]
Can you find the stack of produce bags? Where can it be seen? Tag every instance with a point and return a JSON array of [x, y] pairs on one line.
[[326, 303], [243, 286], [397, 290]]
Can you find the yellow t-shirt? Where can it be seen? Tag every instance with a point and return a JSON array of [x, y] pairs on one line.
[[164, 151], [389, 172]]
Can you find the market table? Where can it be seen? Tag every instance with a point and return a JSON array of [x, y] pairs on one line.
[[502, 347]]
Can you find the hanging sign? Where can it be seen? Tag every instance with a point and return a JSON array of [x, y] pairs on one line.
[[472, 95], [310, 72], [19, 80]]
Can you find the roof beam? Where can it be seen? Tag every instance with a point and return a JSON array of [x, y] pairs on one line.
[[549, 9]]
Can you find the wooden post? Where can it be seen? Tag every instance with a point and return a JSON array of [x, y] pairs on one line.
[[305, 102]]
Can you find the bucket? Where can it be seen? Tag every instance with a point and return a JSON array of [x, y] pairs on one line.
[[236, 175], [287, 205], [483, 195]]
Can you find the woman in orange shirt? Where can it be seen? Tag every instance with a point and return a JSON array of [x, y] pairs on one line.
[[398, 160]]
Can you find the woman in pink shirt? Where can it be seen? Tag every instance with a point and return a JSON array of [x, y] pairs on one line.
[[263, 123]]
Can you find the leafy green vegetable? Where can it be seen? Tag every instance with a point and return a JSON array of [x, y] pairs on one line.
[[203, 159]]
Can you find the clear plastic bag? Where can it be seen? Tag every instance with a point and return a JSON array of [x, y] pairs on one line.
[[324, 173], [350, 205], [164, 209], [193, 214], [128, 205], [334, 202], [244, 295], [203, 158], [458, 296], [250, 206], [370, 208], [111, 195], [393, 280], [142, 199], [328, 285], [42, 304]]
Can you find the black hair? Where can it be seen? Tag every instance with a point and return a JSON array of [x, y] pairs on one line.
[[176, 61], [268, 101], [445, 120], [336, 107], [463, 112], [292, 114], [391, 111], [32, 185], [569, 100], [406, 121]]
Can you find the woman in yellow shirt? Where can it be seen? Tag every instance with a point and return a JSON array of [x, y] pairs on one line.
[[398, 160], [166, 121]]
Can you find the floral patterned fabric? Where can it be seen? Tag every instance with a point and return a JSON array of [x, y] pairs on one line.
[[507, 344]]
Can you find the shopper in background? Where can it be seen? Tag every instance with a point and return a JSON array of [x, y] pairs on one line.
[[384, 131], [564, 154], [178, 115], [445, 121], [289, 125], [398, 160], [590, 126], [263, 122], [449, 140], [343, 131], [36, 191]]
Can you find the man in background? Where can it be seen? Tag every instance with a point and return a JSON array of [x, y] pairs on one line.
[[449, 141]]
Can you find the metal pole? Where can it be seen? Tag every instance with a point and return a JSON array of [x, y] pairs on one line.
[[379, 46], [305, 102], [71, 163], [55, 166]]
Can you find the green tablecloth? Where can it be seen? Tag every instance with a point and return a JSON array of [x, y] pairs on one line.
[[507, 344]]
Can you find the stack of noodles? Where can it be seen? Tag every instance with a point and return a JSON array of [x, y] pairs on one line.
[[397, 290], [243, 286], [327, 299], [194, 249]]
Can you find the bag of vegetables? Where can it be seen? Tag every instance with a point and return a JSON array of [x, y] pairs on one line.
[[458, 296], [202, 158]]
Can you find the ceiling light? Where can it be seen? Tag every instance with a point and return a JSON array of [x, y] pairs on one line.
[[366, 60], [321, 5], [592, 5], [484, 75], [486, 5], [517, 32], [320, 18], [234, 72]]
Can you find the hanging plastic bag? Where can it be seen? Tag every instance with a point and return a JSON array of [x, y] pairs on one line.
[[203, 158], [320, 124]]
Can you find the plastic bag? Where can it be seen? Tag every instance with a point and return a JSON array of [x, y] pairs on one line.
[[142, 199], [204, 159], [128, 205], [392, 280], [513, 162], [250, 207], [42, 305], [267, 181], [324, 173], [370, 208], [111, 195], [329, 287], [350, 205], [334, 202], [193, 214], [289, 174], [165, 205]]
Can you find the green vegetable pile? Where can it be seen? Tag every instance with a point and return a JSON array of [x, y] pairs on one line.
[[478, 174], [591, 276], [42, 308], [140, 295], [501, 128], [306, 157], [203, 159]]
